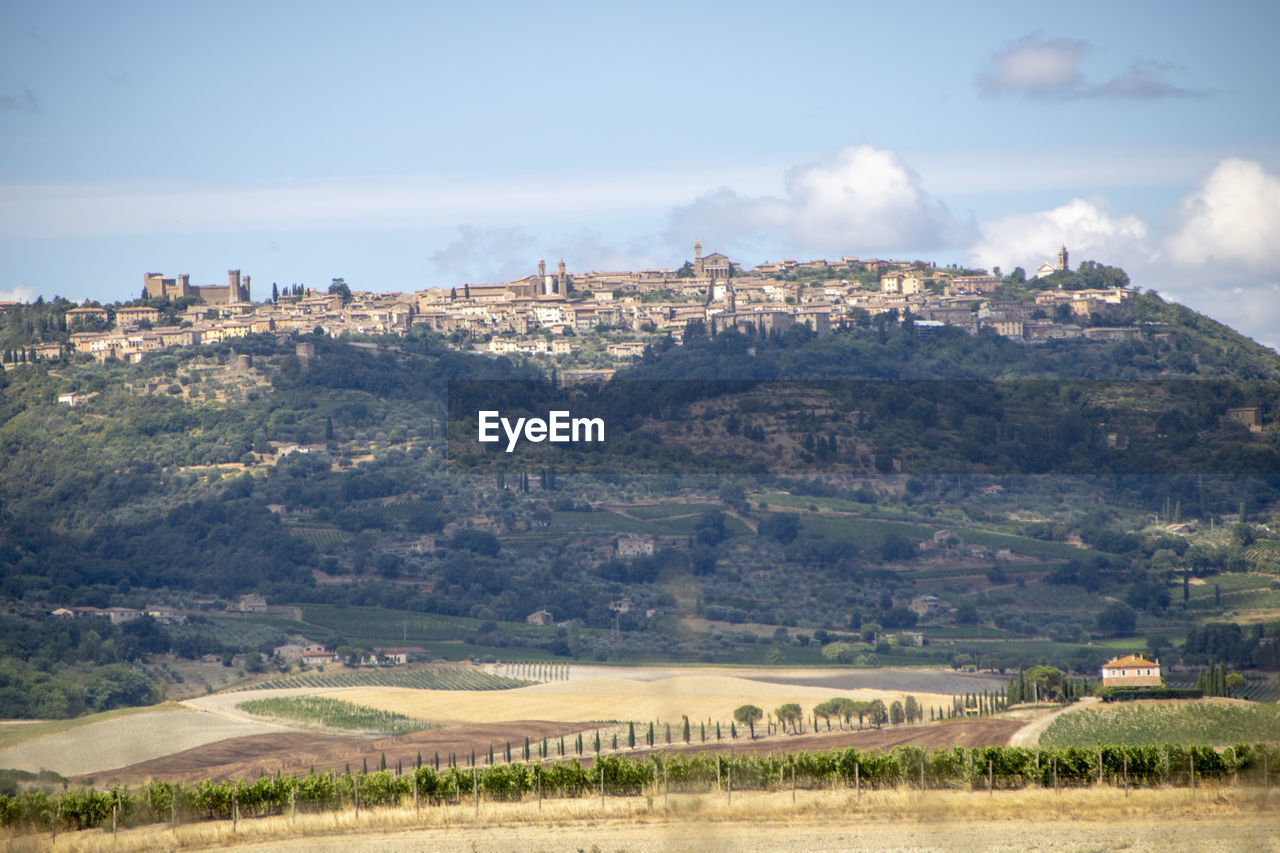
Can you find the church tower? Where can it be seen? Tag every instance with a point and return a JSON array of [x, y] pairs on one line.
[[1062, 259], [540, 286], [697, 259], [562, 279]]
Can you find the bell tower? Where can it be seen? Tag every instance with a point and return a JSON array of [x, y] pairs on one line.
[[697, 259], [1062, 259]]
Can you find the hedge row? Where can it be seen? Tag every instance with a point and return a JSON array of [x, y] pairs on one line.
[[954, 768]]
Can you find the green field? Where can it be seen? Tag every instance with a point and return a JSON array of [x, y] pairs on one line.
[[1194, 723], [382, 627], [451, 678], [621, 524], [652, 511], [334, 714], [871, 534]]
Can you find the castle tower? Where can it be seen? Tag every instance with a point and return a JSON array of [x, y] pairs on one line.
[[233, 285], [1062, 259], [697, 259]]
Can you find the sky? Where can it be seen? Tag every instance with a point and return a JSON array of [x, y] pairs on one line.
[[409, 145]]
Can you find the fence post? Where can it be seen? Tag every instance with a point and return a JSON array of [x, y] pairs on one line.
[[113, 823], [666, 789], [1191, 764], [729, 770], [601, 786], [989, 778], [173, 807], [416, 807], [537, 773], [857, 780], [235, 813], [356, 780], [793, 780], [475, 787], [1126, 772]]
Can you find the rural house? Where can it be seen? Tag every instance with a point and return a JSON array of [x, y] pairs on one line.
[[1131, 671]]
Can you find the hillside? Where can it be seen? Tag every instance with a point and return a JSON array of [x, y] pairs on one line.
[[194, 478]]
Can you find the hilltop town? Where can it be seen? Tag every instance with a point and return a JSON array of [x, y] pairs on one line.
[[544, 313]]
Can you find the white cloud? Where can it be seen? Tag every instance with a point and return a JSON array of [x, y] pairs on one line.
[[1233, 217], [20, 293], [1036, 67], [863, 199], [589, 250], [1088, 231], [484, 255]]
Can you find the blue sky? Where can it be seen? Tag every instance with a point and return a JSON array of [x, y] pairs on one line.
[[409, 145]]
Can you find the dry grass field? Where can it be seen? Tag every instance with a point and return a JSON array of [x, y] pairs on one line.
[[706, 696], [1228, 819], [117, 740]]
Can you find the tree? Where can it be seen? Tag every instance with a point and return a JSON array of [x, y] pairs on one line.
[[788, 713], [912, 709], [1047, 682], [897, 715], [839, 652], [749, 714], [784, 527], [339, 288], [1118, 619], [877, 712], [1234, 681]]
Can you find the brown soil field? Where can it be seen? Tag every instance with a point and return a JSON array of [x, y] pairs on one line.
[[299, 752], [983, 732]]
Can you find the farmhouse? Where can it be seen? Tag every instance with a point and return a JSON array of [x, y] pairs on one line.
[[1131, 671], [401, 654]]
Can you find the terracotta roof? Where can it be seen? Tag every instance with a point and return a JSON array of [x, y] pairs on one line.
[[1128, 660]]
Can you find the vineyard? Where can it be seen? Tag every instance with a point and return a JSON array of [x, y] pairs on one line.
[[1133, 724], [321, 537], [1254, 691], [980, 769], [334, 714], [398, 513], [453, 678]]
